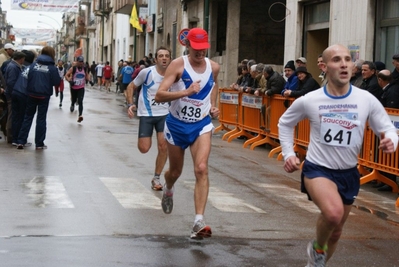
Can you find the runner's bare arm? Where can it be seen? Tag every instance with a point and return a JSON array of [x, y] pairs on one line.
[[215, 90]]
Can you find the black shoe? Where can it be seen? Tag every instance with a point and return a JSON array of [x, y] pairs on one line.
[[72, 108], [385, 188]]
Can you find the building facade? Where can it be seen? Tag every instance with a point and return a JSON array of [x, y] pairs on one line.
[[271, 32]]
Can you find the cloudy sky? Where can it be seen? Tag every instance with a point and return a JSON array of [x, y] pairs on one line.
[[30, 19]]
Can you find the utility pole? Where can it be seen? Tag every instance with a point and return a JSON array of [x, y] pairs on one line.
[[102, 29], [135, 36]]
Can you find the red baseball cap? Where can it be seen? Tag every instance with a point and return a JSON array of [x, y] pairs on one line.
[[198, 39]]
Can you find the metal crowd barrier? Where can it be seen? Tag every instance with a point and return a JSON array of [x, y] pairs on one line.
[[256, 118]]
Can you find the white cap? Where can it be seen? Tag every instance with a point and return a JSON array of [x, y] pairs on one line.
[[9, 46], [302, 59]]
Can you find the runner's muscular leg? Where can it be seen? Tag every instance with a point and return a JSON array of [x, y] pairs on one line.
[[333, 241], [162, 153], [144, 144], [325, 195], [200, 151], [176, 160]]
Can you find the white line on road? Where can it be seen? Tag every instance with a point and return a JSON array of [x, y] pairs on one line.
[[292, 195], [131, 194], [226, 202], [48, 191]]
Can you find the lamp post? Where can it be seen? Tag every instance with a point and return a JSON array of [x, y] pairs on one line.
[[55, 30], [59, 25], [47, 24]]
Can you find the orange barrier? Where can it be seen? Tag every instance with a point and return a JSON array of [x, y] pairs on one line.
[[257, 119], [264, 137], [228, 106], [277, 108], [374, 158]]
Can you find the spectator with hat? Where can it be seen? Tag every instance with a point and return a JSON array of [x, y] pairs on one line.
[[301, 62], [6, 52], [306, 83], [395, 72], [292, 79], [379, 66]]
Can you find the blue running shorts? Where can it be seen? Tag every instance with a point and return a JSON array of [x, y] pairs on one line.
[[347, 181], [184, 134]]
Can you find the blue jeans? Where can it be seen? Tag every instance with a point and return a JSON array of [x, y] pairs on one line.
[[33, 103], [18, 113]]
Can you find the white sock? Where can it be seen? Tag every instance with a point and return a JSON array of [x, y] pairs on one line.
[[169, 191], [198, 217]]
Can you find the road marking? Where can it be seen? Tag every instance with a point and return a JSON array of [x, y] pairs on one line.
[[48, 191], [292, 195], [131, 194], [226, 202]]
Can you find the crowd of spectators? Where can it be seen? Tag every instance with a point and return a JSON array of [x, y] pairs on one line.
[[262, 80]]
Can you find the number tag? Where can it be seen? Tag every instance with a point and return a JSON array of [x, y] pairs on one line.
[[337, 131]]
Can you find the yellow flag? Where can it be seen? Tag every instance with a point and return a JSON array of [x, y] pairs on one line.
[[134, 19]]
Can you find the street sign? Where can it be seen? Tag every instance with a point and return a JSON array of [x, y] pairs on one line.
[[182, 36]]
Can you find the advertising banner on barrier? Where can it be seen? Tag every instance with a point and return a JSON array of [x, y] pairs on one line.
[[252, 101], [46, 5], [395, 121], [229, 98]]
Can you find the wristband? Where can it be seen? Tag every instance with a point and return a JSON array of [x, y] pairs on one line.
[[129, 105]]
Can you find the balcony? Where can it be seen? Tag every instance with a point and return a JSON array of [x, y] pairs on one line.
[[102, 8]]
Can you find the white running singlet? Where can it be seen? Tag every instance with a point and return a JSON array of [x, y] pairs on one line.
[[150, 80], [197, 106], [336, 126]]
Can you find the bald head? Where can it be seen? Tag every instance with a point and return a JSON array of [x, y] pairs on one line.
[[384, 77], [385, 72], [329, 51], [338, 66]]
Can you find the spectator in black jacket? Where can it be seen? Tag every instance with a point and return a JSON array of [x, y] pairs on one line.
[[274, 82], [395, 72], [370, 82], [306, 83], [389, 99], [13, 70], [42, 76], [390, 89]]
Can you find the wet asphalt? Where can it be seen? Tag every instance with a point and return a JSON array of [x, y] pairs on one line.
[[86, 201]]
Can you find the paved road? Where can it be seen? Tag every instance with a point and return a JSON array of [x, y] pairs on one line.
[[86, 201]]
